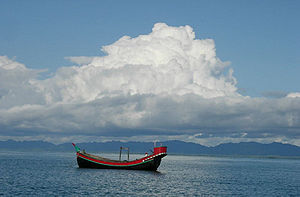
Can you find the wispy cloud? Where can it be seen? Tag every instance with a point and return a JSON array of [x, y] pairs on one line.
[[80, 60], [274, 94]]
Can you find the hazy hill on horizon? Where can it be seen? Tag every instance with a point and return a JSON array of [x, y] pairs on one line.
[[174, 147]]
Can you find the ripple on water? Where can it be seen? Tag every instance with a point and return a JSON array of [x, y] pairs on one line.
[[57, 174]]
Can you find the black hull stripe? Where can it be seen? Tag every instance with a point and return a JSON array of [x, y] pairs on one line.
[[116, 165]]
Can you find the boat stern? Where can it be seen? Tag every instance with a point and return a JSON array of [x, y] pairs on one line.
[[160, 150]]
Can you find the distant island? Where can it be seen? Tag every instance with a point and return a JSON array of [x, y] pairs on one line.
[[174, 147]]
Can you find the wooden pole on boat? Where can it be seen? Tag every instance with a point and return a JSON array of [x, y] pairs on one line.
[[128, 154], [125, 148]]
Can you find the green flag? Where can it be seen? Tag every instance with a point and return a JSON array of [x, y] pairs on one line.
[[76, 148]]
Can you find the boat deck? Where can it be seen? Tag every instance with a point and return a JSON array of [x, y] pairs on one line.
[[103, 158]]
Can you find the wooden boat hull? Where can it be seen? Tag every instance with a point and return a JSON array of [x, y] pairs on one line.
[[150, 162], [150, 165]]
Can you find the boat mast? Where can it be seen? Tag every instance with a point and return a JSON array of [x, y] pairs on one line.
[[124, 148]]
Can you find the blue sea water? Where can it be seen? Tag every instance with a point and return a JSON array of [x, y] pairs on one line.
[[57, 174]]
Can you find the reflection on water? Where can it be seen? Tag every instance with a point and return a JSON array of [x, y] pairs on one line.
[[44, 174]]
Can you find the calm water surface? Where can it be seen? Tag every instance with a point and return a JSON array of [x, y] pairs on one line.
[[57, 174]]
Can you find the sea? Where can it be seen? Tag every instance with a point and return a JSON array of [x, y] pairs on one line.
[[57, 174]]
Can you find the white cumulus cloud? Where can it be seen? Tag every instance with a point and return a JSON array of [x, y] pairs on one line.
[[169, 60], [165, 83]]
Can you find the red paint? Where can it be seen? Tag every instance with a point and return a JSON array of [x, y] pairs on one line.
[[113, 163], [157, 150], [161, 149]]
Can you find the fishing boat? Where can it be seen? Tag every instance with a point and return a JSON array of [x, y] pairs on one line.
[[148, 162]]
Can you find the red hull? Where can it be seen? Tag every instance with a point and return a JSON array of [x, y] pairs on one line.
[[150, 162]]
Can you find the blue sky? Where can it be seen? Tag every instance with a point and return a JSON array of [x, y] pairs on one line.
[[163, 85], [259, 38]]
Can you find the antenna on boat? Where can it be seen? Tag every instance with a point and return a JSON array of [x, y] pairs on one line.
[[155, 142]]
